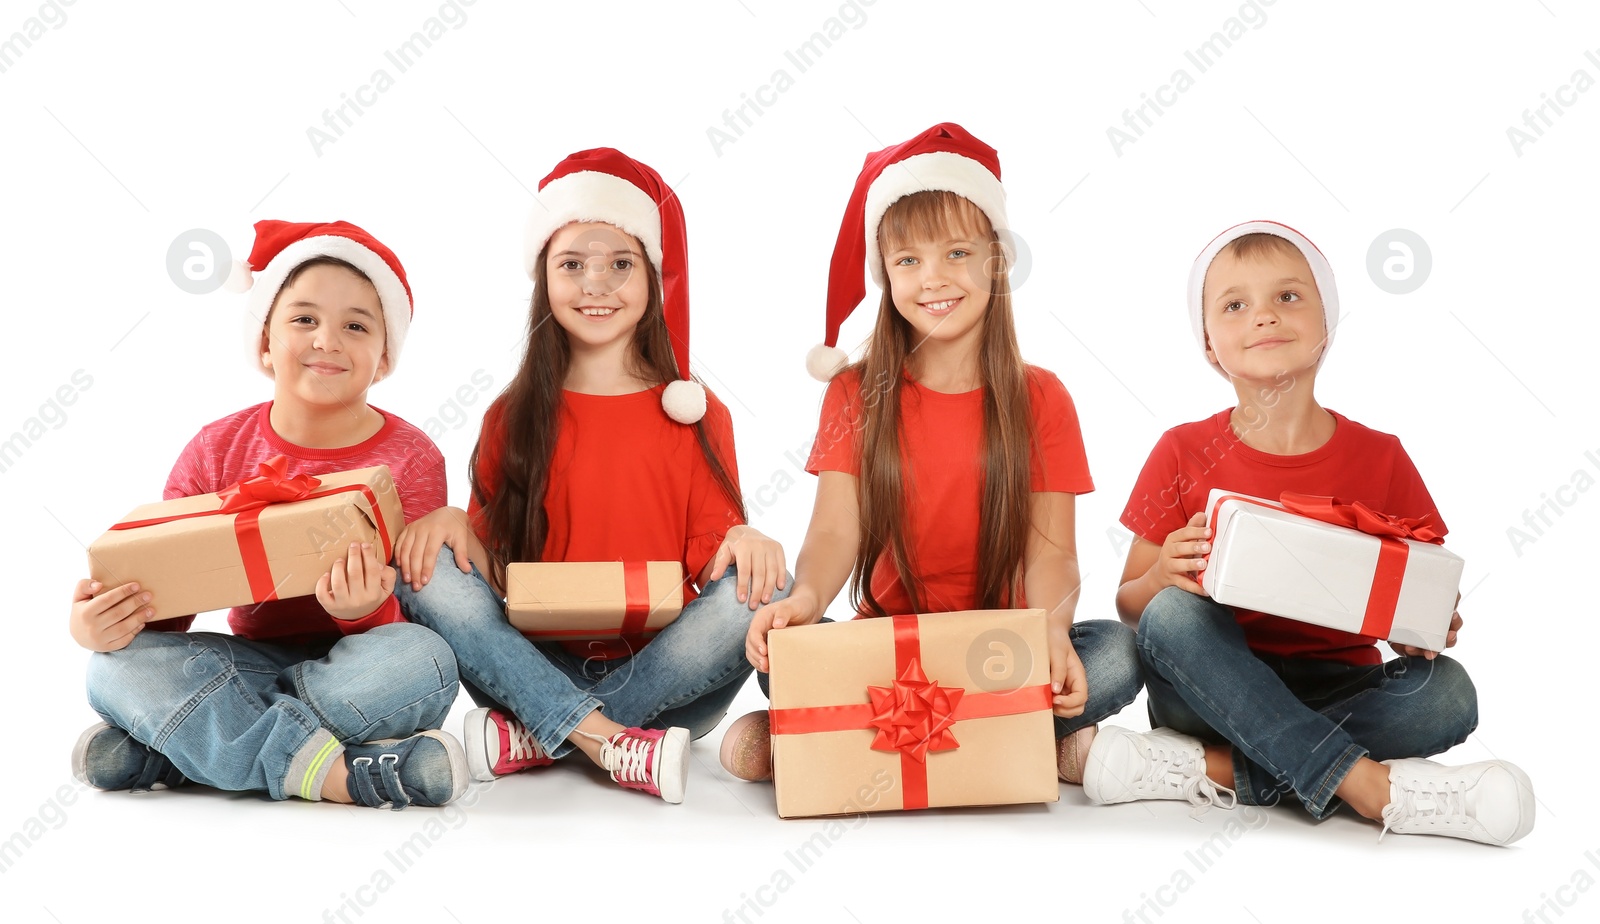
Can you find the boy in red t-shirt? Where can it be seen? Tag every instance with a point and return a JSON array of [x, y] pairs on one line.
[[1249, 706]]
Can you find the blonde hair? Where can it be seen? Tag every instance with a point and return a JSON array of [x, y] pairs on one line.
[[1254, 246], [1259, 244], [1004, 472]]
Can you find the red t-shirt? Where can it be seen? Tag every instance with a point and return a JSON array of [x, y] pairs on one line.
[[1356, 464], [231, 449], [627, 483], [941, 457]]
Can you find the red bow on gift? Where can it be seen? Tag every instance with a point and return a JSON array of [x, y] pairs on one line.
[[1357, 515], [271, 486], [914, 715]]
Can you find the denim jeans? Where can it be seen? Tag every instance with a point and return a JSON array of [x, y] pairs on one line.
[[1110, 664], [1296, 725], [687, 675], [239, 715]]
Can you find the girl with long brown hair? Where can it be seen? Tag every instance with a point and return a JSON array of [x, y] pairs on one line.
[[601, 449], [947, 467]]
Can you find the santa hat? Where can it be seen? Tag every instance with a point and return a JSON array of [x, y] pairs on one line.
[[945, 157], [604, 184], [281, 246], [1321, 274]]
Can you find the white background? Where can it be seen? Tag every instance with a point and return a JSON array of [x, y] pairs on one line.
[[127, 125]]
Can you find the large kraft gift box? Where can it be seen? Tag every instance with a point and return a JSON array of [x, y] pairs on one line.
[[1343, 566], [270, 537], [572, 601], [910, 712]]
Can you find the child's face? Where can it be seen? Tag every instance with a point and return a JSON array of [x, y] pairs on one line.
[[1263, 315], [941, 285], [324, 340], [598, 282]]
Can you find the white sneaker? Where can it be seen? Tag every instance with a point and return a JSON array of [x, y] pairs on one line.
[[1490, 801], [1124, 766]]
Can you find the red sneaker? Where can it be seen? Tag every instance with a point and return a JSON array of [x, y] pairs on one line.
[[497, 744], [650, 761]]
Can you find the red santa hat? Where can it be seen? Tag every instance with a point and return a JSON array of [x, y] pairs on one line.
[[945, 157], [604, 184], [281, 246], [1321, 274]]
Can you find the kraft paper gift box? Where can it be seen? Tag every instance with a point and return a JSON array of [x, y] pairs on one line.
[[573, 601], [908, 712], [1342, 566], [270, 537]]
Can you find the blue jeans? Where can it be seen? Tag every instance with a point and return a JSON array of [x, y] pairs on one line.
[[241, 715], [686, 676], [1296, 725], [1110, 663]]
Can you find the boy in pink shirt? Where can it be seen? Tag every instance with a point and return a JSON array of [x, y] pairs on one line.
[[286, 704]]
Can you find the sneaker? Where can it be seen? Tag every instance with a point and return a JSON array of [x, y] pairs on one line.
[[1123, 766], [108, 758], [650, 761], [425, 769], [747, 747], [498, 744], [1490, 801], [1072, 752]]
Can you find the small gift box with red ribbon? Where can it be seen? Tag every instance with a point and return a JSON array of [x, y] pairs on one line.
[[1343, 566], [573, 601], [269, 537], [910, 712]]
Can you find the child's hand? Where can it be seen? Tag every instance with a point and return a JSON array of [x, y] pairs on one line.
[[417, 548], [1180, 563], [759, 561], [1068, 682], [357, 584], [795, 610], [1412, 651], [107, 620]]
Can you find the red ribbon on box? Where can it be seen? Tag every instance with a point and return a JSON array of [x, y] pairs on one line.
[[246, 499], [636, 588], [913, 715], [271, 486], [1391, 532], [1357, 515]]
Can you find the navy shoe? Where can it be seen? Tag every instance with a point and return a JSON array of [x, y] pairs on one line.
[[429, 768], [108, 758]]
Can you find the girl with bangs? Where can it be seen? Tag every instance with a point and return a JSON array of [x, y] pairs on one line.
[[947, 466]]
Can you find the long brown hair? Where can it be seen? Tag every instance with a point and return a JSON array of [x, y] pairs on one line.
[[530, 414], [1003, 520]]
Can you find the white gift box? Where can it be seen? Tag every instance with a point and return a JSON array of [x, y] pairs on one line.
[[1266, 559]]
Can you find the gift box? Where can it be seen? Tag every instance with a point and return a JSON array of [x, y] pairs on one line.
[[270, 537], [1328, 563], [571, 601], [911, 712]]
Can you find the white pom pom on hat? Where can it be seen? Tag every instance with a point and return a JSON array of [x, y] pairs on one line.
[[945, 157], [240, 278], [684, 401], [1321, 274], [823, 362], [604, 184]]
